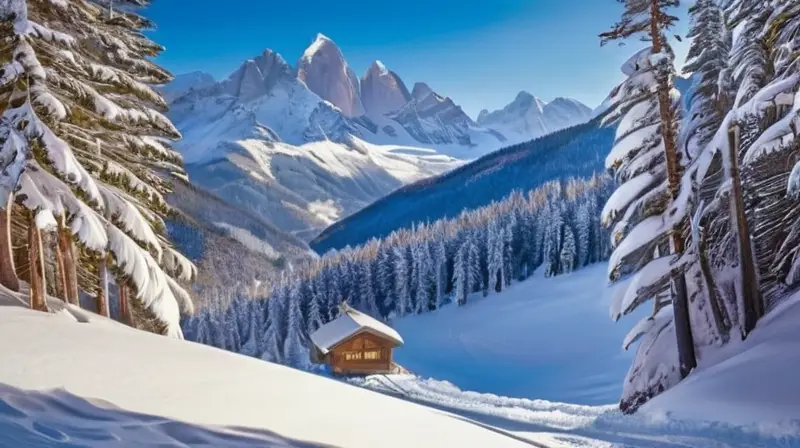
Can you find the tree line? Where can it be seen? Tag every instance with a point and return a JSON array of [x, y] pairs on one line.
[[554, 228]]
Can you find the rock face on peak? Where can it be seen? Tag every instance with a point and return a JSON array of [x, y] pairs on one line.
[[382, 91], [421, 91], [528, 117], [324, 70], [433, 119], [258, 76]]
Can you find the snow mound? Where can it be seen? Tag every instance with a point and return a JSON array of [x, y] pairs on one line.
[[101, 383], [753, 382]]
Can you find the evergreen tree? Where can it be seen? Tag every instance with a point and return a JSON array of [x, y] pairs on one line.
[[646, 160], [461, 275], [707, 61], [367, 299], [568, 251], [440, 271], [402, 282], [272, 340], [78, 139], [295, 346], [386, 279]]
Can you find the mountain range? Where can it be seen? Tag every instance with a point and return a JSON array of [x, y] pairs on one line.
[[304, 146]]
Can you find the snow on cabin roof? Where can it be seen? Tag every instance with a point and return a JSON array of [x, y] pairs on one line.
[[347, 324]]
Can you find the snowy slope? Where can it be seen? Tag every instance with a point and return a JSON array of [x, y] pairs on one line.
[[303, 189], [528, 117], [544, 361], [752, 381], [553, 424], [544, 338], [98, 384]]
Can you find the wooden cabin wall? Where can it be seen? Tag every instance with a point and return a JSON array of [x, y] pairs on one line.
[[351, 357]]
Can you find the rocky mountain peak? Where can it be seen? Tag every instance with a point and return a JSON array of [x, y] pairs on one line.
[[257, 76], [420, 91], [324, 70], [382, 91]]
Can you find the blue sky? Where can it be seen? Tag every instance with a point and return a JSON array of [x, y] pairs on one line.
[[479, 52]]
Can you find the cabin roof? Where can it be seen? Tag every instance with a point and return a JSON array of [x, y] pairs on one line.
[[349, 323]]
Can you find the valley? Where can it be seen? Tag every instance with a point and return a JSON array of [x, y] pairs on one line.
[[487, 224]]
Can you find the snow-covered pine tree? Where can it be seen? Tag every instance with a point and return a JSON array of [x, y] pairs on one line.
[[78, 98], [252, 340], [440, 270], [708, 106], [461, 276], [494, 245], [425, 277], [646, 160], [584, 234], [295, 352], [402, 281], [386, 284], [314, 310], [767, 126], [475, 278], [707, 62], [568, 251], [367, 299], [273, 338]]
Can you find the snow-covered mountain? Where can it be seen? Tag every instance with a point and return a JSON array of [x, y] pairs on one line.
[[184, 83], [304, 146], [264, 141], [382, 91], [528, 117], [324, 70], [435, 120]]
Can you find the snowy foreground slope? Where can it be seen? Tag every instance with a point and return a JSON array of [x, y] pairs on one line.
[[74, 379], [552, 339], [71, 379]]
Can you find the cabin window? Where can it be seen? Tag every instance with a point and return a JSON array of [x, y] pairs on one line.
[[353, 356], [372, 355]]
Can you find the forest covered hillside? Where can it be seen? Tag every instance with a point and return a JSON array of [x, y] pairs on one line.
[[575, 152]]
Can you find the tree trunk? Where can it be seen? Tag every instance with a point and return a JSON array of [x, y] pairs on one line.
[[67, 250], [61, 271], [102, 287], [683, 327], [36, 263], [8, 275], [751, 293], [123, 303], [717, 309]]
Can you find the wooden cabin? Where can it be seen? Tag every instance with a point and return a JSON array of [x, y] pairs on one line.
[[355, 344]]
